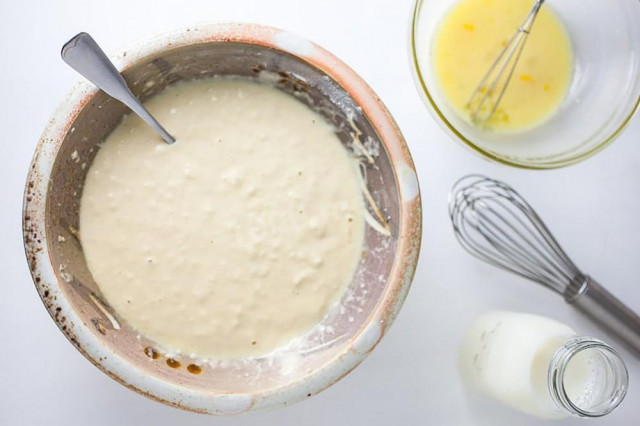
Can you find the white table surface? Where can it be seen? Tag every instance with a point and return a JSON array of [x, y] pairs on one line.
[[411, 378]]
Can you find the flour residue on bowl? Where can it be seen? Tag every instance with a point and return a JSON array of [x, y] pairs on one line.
[[236, 239]]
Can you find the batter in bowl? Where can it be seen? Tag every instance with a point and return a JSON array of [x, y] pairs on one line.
[[237, 238]]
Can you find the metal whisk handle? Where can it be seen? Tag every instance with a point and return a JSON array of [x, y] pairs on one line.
[[596, 302]]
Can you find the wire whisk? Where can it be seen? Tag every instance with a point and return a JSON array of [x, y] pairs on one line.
[[496, 224], [487, 95]]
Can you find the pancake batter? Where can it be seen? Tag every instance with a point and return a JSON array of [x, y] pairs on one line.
[[235, 239]]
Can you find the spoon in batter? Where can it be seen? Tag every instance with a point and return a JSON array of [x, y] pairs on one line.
[[84, 55]]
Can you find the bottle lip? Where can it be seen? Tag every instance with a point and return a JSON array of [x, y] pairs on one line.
[[559, 364]]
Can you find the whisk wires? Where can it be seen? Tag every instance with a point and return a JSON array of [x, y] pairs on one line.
[[494, 223], [488, 94]]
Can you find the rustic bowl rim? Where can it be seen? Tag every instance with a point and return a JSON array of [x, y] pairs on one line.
[[216, 402]]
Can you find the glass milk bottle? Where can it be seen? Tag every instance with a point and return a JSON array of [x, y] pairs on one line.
[[541, 367]]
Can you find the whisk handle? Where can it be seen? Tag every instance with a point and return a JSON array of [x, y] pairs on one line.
[[606, 309]]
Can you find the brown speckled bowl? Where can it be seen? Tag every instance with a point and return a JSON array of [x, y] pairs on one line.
[[331, 349]]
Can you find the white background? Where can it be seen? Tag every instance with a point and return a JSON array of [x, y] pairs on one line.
[[411, 378]]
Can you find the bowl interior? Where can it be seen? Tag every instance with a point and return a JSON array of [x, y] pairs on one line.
[[604, 93], [101, 114]]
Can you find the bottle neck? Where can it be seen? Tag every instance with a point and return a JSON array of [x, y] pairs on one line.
[[587, 378]]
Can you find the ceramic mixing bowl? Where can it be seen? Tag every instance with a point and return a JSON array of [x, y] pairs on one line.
[[350, 330]]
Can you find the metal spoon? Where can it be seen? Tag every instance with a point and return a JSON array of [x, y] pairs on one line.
[[84, 55]]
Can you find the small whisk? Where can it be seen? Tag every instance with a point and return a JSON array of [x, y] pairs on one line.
[[486, 97], [494, 223]]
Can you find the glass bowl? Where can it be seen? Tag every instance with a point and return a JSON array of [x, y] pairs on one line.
[[602, 98]]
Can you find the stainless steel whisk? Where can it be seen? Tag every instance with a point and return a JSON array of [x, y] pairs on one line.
[[494, 223], [487, 95]]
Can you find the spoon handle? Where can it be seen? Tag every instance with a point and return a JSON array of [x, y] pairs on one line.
[[84, 55]]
